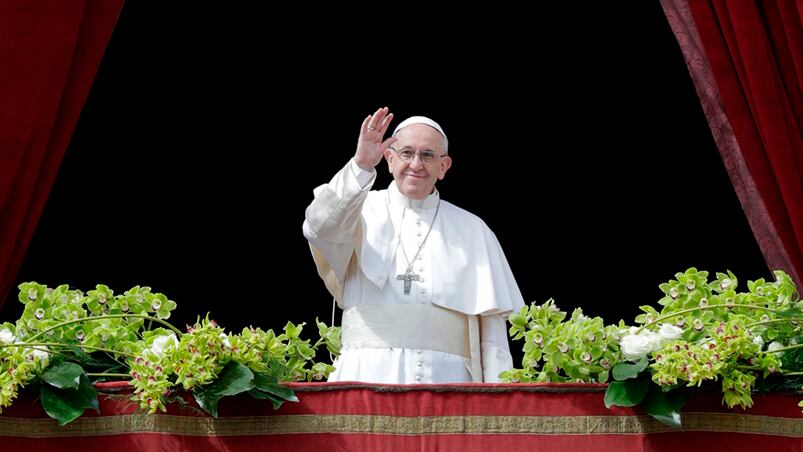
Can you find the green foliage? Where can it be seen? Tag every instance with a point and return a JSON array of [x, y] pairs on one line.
[[556, 349], [705, 333], [234, 379], [66, 404], [727, 334], [626, 371], [665, 405], [626, 393], [204, 355], [64, 337], [63, 375]]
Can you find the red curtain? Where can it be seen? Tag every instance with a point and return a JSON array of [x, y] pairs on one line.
[[746, 60], [49, 54]]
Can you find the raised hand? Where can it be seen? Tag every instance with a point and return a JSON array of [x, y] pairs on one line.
[[370, 146]]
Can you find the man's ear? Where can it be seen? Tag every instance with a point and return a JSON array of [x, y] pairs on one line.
[[446, 163], [389, 159]]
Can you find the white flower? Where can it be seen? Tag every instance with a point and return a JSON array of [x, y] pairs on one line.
[[775, 345], [637, 346], [6, 336], [758, 340], [41, 354], [669, 332], [225, 340], [38, 353], [162, 343]]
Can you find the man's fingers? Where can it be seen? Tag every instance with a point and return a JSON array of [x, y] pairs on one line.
[[375, 123], [386, 123], [364, 126]]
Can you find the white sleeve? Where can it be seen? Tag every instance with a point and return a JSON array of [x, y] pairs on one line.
[[332, 220], [363, 177], [495, 350]]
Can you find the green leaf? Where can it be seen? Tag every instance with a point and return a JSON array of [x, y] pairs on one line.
[[64, 405], [234, 379], [626, 393], [665, 406], [56, 407], [264, 383], [625, 371], [257, 394], [63, 375]]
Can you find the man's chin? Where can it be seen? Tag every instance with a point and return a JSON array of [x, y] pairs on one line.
[[415, 191]]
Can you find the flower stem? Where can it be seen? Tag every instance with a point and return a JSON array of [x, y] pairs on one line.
[[106, 316], [765, 322], [783, 349], [59, 344], [703, 308]]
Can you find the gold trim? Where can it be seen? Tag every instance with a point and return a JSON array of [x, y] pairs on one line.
[[396, 425]]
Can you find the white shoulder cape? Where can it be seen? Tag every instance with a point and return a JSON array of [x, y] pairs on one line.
[[470, 273]]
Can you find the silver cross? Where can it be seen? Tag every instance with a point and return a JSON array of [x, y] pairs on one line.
[[408, 277]]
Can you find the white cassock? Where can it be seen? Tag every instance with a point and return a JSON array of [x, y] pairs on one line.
[[451, 326]]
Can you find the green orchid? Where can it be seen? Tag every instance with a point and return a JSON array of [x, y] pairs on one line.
[[701, 333], [64, 333]]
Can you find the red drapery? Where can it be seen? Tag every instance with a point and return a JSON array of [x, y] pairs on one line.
[[461, 417], [746, 60], [49, 54]]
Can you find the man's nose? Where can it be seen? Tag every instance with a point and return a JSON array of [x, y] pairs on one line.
[[416, 163]]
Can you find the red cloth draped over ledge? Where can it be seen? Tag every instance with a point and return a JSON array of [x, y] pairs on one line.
[[466, 417]]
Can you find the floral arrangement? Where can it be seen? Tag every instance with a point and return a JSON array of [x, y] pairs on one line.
[[706, 334], [66, 339]]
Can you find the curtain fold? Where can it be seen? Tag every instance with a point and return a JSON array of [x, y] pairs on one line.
[[49, 54], [746, 61]]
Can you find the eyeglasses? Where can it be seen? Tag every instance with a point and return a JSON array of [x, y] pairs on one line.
[[425, 157]]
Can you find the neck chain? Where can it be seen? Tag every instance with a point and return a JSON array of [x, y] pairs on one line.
[[408, 276]]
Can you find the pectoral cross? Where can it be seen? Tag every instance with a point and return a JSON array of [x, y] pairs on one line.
[[408, 277]]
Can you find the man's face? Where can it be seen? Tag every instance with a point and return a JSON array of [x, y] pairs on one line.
[[416, 178]]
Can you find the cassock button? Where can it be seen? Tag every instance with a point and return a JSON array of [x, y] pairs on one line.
[[418, 351], [418, 378], [419, 364]]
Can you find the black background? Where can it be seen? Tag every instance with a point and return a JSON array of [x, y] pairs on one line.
[[576, 134]]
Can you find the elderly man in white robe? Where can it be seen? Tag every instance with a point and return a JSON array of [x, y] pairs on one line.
[[424, 285]]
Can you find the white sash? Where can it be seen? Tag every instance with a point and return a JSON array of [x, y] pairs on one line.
[[415, 327]]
